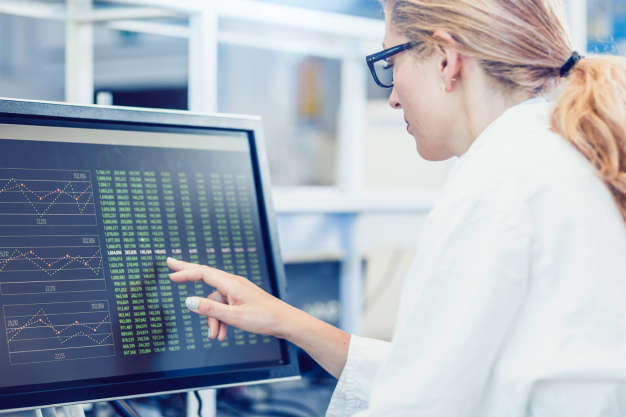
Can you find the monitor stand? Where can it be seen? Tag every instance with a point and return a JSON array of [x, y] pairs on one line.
[[207, 396]]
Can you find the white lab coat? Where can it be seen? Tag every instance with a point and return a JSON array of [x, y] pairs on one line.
[[516, 303]]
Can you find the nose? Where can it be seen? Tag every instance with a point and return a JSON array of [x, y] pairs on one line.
[[394, 102]]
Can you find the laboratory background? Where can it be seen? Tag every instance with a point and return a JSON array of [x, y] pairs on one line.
[[349, 189]]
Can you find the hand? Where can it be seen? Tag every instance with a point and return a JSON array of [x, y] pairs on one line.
[[236, 302]]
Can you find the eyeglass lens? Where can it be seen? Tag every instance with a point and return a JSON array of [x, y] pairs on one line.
[[384, 73]]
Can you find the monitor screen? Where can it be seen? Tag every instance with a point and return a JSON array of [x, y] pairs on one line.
[[90, 208]]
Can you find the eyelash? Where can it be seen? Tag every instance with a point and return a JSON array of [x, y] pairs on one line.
[[388, 65]]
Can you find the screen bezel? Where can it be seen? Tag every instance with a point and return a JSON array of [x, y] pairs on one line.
[[45, 395]]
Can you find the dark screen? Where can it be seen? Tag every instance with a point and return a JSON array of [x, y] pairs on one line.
[[85, 230]]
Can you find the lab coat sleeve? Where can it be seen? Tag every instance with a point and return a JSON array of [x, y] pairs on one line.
[[351, 395]]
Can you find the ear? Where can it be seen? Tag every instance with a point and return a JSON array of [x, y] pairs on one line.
[[451, 60]]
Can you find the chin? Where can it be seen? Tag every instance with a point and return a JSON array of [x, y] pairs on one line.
[[432, 153]]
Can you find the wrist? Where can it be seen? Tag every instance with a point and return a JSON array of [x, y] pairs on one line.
[[291, 323]]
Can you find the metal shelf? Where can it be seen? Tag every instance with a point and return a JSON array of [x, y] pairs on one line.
[[331, 200]]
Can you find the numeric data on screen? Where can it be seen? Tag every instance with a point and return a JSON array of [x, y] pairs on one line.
[[202, 217]]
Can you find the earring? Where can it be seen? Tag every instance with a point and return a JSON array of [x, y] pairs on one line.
[[443, 84]]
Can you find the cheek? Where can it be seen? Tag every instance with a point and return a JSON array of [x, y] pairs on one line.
[[426, 110], [432, 124], [416, 95]]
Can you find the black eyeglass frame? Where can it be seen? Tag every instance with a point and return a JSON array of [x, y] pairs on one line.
[[384, 54]]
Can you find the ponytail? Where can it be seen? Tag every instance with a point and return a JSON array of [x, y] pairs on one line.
[[591, 114]]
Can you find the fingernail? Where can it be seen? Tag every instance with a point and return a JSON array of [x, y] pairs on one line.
[[169, 258], [209, 332], [192, 303]]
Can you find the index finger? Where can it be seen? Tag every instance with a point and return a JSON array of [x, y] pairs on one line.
[[178, 265], [213, 277]]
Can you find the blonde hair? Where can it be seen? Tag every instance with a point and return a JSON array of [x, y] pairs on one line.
[[522, 46]]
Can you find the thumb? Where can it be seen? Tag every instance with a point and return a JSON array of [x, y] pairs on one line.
[[209, 308]]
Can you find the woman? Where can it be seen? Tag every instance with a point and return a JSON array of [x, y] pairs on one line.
[[516, 303]]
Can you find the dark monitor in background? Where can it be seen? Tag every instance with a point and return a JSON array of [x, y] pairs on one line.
[[314, 287], [173, 98], [92, 201]]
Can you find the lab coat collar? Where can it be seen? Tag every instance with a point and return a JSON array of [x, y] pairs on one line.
[[513, 117]]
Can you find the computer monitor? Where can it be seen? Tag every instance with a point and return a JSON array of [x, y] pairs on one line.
[[92, 201]]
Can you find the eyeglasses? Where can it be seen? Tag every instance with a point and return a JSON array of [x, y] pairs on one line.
[[381, 69]]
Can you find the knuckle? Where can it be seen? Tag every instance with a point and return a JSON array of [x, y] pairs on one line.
[[206, 308], [206, 273], [236, 314]]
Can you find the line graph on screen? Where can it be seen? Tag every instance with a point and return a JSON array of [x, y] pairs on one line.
[[44, 197], [48, 332], [38, 264]]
